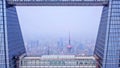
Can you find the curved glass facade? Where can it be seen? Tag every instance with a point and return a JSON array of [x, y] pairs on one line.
[[14, 37], [107, 50], [11, 41]]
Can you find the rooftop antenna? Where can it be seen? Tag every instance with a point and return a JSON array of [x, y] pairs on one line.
[[69, 47], [69, 39]]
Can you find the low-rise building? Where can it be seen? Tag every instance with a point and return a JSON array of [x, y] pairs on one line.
[[58, 61]]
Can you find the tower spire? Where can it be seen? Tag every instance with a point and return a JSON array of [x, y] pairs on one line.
[[69, 39], [69, 47]]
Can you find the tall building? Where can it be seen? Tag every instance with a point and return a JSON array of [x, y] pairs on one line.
[[11, 40], [60, 46], [69, 46], [107, 49]]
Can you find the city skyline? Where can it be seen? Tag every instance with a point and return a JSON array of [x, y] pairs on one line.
[[107, 47], [59, 47], [47, 28]]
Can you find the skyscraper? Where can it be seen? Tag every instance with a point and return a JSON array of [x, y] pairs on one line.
[[107, 49], [11, 41], [69, 47]]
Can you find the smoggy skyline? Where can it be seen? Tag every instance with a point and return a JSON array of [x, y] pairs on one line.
[[57, 22]]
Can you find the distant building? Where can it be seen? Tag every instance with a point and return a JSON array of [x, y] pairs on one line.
[[69, 47], [58, 61]]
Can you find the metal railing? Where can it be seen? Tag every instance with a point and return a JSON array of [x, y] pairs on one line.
[[58, 2]]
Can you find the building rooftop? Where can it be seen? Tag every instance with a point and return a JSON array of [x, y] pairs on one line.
[[60, 57]]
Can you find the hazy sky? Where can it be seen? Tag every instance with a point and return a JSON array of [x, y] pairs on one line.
[[57, 22]]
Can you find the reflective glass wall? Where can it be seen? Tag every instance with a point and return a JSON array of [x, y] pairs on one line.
[[101, 37], [107, 50], [3, 44], [11, 41], [112, 58], [14, 36]]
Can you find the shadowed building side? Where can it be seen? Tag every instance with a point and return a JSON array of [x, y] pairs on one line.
[[15, 39], [107, 50], [101, 37], [11, 40]]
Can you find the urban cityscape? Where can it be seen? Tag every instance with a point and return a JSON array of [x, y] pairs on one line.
[[63, 42], [60, 47]]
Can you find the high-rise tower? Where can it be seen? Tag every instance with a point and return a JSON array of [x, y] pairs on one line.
[[11, 40], [69, 47], [107, 49]]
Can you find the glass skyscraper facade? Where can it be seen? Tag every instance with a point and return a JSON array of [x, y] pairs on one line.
[[14, 37], [107, 49], [3, 56], [11, 41]]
